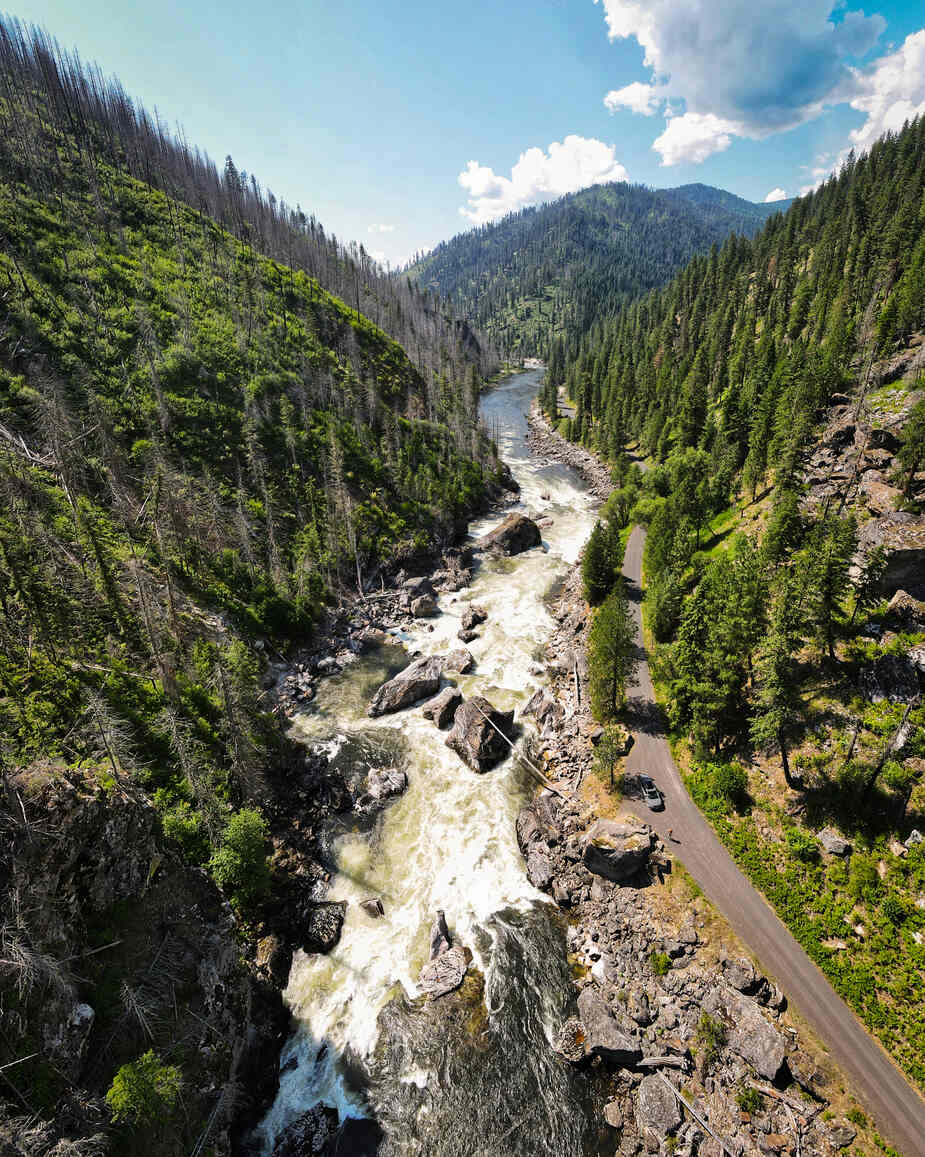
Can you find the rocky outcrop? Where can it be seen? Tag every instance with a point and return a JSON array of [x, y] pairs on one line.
[[386, 782], [750, 1035], [443, 707], [603, 1035], [478, 733], [616, 850], [902, 536], [424, 607], [446, 969], [516, 534], [891, 677], [419, 680]]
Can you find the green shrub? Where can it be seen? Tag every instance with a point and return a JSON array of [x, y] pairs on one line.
[[749, 1100], [856, 1117], [144, 1091], [660, 963], [801, 845], [711, 1036], [184, 826], [240, 865]]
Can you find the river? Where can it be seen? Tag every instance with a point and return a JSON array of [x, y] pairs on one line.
[[438, 1082]]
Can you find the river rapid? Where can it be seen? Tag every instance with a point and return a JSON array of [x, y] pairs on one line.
[[473, 1073]]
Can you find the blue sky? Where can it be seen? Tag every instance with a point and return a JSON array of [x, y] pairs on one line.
[[371, 114]]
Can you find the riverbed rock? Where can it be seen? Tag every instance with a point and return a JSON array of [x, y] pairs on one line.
[[443, 707], [834, 843], [539, 866], [751, 1037], [373, 907], [604, 1037], [314, 1134], [474, 735], [419, 680], [459, 662], [416, 588], [570, 1040], [444, 973], [544, 709], [658, 1113], [424, 607], [467, 634], [617, 850], [323, 926], [516, 534], [385, 783], [472, 617], [613, 1114], [440, 939]]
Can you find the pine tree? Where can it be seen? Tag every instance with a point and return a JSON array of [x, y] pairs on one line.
[[611, 653]]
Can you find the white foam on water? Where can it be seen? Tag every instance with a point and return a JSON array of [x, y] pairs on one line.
[[449, 842]]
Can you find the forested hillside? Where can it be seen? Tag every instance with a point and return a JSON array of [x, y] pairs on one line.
[[553, 271], [199, 446], [776, 389]]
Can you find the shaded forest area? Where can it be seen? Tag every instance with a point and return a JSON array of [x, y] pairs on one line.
[[548, 273]]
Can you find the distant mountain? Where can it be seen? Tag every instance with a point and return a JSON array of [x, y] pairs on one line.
[[554, 270]]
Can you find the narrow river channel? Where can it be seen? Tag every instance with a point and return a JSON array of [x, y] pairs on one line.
[[447, 1085]]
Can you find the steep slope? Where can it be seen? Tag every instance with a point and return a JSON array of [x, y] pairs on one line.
[[200, 447], [777, 388], [554, 270]]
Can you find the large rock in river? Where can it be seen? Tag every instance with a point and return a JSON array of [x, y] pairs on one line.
[[419, 680], [617, 851], [315, 1133], [323, 927], [516, 534], [603, 1035], [475, 736], [444, 973], [443, 707]]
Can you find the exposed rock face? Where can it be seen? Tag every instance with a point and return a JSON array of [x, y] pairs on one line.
[[539, 866], [891, 677], [459, 662], [617, 851], [474, 737], [322, 930], [544, 709], [424, 607], [274, 959], [903, 537], [657, 1109], [752, 1037], [386, 782], [314, 1133], [834, 843], [516, 534], [603, 1034], [443, 707], [419, 680], [740, 974], [903, 606]]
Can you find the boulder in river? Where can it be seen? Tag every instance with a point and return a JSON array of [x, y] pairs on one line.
[[315, 1133], [603, 1035], [443, 707], [516, 534], [323, 926], [570, 1040], [467, 634], [386, 782], [475, 733], [445, 973], [617, 850], [472, 617], [419, 680], [373, 907], [459, 662], [440, 939], [424, 607]]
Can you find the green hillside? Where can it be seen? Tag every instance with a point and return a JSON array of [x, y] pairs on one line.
[[552, 271]]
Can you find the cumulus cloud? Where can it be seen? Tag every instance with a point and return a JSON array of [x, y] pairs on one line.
[[539, 176], [891, 91], [756, 69], [645, 99], [382, 229], [777, 194], [693, 137]]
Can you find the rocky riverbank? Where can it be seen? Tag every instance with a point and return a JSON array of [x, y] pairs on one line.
[[546, 442], [695, 1044]]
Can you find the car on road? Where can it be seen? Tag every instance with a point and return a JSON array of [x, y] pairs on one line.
[[651, 796]]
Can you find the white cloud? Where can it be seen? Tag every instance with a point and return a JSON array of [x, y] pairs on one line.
[[755, 69], [537, 176], [693, 137], [777, 194], [891, 91], [644, 99], [382, 229]]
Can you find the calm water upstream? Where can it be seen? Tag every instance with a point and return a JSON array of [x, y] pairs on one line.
[[441, 1084]]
